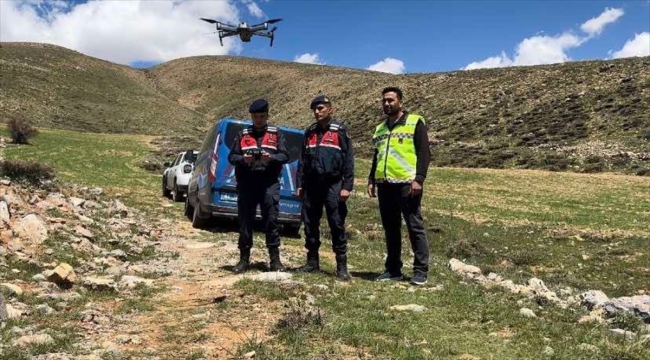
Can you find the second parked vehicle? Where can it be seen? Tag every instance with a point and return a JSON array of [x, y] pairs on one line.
[[177, 174]]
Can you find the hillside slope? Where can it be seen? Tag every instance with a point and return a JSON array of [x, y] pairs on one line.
[[584, 116], [55, 87]]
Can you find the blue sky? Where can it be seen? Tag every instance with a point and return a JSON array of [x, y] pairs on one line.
[[398, 37]]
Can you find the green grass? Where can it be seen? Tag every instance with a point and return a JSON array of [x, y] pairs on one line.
[[571, 230]]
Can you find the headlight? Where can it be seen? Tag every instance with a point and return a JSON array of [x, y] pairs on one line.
[[187, 168]]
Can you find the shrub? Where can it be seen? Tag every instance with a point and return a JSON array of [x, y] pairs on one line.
[[21, 131], [26, 171], [465, 248]]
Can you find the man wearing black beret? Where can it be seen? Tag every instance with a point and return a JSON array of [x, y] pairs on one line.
[[258, 154], [325, 179]]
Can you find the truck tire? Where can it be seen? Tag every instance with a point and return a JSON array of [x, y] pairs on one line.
[[165, 192], [199, 218], [177, 196]]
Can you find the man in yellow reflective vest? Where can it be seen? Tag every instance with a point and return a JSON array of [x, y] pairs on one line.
[[399, 167]]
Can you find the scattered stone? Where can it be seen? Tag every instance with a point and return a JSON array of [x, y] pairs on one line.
[[200, 245], [13, 313], [39, 278], [595, 316], [250, 355], [622, 333], [99, 283], [77, 202], [409, 307], [3, 309], [11, 289], [118, 254], [548, 351], [131, 282], [33, 228], [5, 182], [639, 305], [27, 340], [4, 213], [82, 231], [62, 275], [593, 299], [321, 287], [44, 309], [462, 268], [271, 276], [588, 348], [118, 208], [527, 312]]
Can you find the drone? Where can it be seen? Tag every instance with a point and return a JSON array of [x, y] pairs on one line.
[[244, 31]]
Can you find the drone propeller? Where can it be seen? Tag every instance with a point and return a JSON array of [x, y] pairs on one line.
[[273, 21], [209, 20], [272, 30]]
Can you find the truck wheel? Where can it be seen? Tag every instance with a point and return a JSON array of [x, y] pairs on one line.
[[292, 230], [177, 196], [199, 218], [165, 192], [189, 209]]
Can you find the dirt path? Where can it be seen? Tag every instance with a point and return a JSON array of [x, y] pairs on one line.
[[201, 313]]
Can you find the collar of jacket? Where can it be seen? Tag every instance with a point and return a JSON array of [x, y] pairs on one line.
[[401, 120]]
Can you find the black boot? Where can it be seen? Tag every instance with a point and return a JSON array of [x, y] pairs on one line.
[[342, 267], [244, 262], [312, 263], [276, 265]]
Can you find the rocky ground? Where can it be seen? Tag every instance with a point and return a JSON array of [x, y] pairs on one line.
[[129, 286], [83, 276]]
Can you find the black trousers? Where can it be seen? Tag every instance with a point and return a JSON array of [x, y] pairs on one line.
[[319, 194], [268, 198], [395, 203]]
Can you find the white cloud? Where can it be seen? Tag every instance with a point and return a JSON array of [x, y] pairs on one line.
[[254, 9], [544, 49], [389, 65], [122, 31], [498, 61], [639, 46], [308, 58], [594, 26]]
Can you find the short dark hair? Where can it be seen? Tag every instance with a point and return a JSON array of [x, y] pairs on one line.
[[394, 89]]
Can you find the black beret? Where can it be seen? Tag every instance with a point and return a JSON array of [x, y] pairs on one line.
[[259, 106], [320, 99]]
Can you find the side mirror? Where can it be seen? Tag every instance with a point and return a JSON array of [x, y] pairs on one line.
[[167, 164]]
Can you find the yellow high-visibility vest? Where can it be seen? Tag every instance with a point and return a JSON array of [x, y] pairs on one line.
[[396, 156]]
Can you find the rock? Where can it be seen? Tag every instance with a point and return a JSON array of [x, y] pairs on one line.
[[82, 231], [86, 220], [250, 355], [588, 348], [548, 351], [200, 245], [11, 289], [271, 276], [593, 299], [99, 283], [5, 182], [118, 254], [44, 309], [595, 316], [118, 208], [64, 296], [409, 307], [321, 287], [27, 340], [39, 278], [62, 275], [462, 268], [77, 202], [3, 309], [32, 228], [130, 281], [15, 245], [527, 312], [622, 333], [639, 305], [4, 213]]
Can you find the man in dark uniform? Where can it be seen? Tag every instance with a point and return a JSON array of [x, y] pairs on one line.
[[258, 154], [325, 178]]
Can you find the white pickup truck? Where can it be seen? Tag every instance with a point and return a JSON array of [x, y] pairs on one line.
[[177, 175]]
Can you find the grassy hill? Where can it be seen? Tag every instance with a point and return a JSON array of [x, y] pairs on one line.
[[587, 116]]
